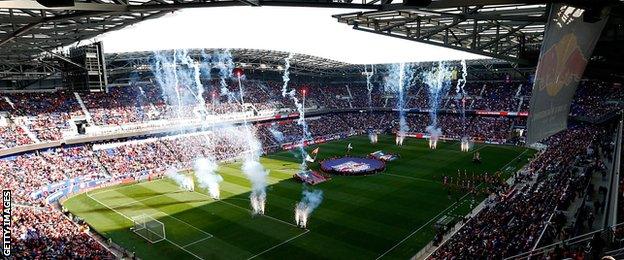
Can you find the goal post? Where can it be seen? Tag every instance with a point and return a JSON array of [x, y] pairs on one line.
[[149, 228]]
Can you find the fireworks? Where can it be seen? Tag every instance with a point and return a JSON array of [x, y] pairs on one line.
[[439, 80], [433, 143], [400, 137], [258, 200], [465, 145], [372, 136], [303, 209]]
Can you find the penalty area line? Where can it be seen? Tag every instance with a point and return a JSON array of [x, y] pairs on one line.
[[275, 246], [145, 199], [124, 215], [184, 249], [248, 210], [200, 240], [125, 186]]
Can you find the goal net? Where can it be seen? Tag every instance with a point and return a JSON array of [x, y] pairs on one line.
[[149, 228]]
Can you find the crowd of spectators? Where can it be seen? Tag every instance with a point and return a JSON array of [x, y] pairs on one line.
[[44, 233], [46, 117], [495, 129], [595, 99], [522, 212], [28, 172], [12, 136], [513, 221], [508, 226], [147, 156], [497, 97], [139, 103]]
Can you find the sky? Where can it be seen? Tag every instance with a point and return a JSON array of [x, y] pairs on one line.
[[311, 31]]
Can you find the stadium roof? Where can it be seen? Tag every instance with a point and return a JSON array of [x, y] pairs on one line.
[[503, 29], [29, 28], [122, 63], [500, 31]]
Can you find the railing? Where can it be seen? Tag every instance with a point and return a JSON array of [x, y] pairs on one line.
[[575, 242], [611, 210]]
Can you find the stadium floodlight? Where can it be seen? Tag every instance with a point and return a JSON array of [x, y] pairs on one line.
[[149, 228]]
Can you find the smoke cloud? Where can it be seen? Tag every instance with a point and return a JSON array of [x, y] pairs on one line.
[[310, 201], [207, 176], [399, 81], [438, 80], [183, 181]]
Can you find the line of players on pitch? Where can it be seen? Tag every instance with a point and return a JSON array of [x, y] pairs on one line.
[[473, 183]]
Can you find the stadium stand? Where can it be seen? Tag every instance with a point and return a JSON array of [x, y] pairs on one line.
[[45, 233], [48, 119], [514, 217]]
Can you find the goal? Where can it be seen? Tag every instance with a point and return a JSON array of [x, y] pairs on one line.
[[149, 228]]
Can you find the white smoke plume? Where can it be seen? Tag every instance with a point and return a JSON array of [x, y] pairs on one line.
[[461, 96], [369, 85], [185, 182], [222, 60], [310, 201], [286, 76], [207, 176], [438, 80], [252, 168], [399, 81], [372, 136], [178, 75], [256, 173], [434, 135], [466, 144], [399, 139], [277, 134], [300, 109], [461, 83]]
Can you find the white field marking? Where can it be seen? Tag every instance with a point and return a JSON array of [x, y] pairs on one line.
[[192, 243], [126, 186], [449, 238], [157, 211], [421, 179], [426, 180], [166, 214], [184, 249], [480, 147], [148, 198], [275, 246], [407, 177], [418, 229], [285, 170], [246, 209], [112, 209], [194, 227], [421, 227], [123, 215]]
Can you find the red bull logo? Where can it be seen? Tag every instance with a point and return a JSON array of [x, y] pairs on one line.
[[561, 65]]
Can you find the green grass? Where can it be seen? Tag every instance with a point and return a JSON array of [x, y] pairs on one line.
[[390, 214]]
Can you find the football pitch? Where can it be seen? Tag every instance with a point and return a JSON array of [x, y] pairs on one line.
[[389, 215]]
